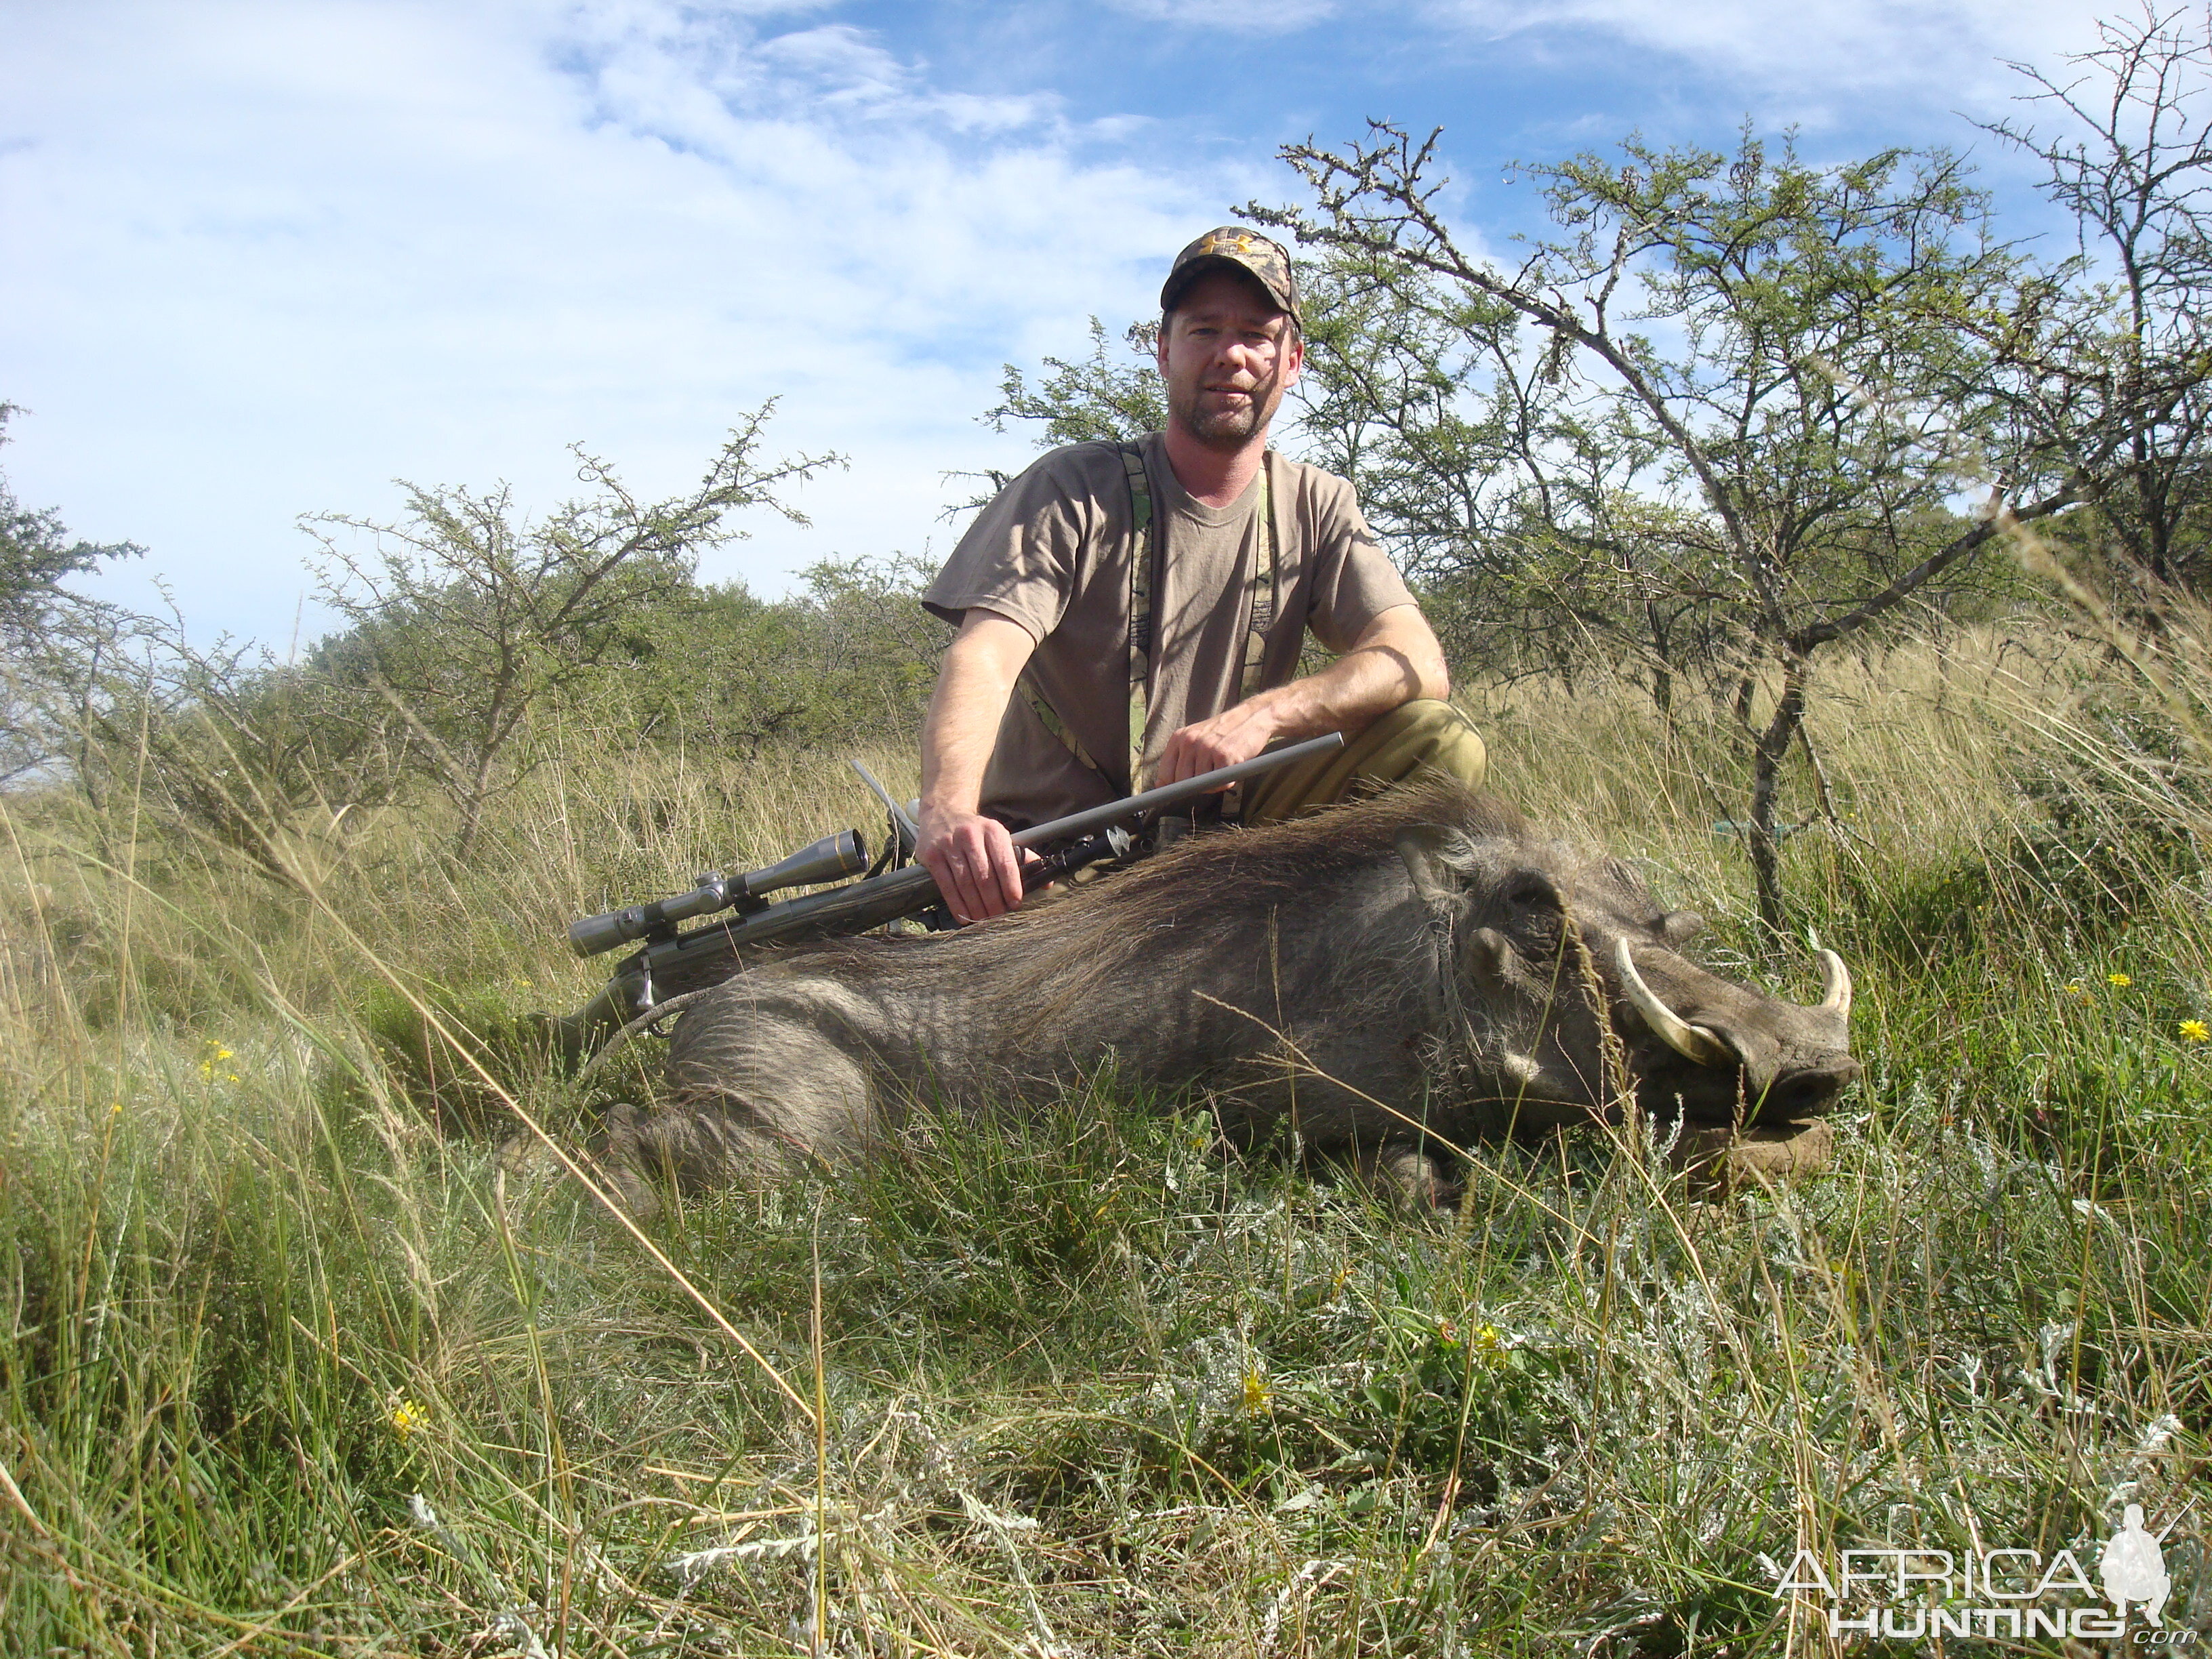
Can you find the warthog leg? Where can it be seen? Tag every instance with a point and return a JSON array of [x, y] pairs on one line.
[[1405, 1177], [689, 1146]]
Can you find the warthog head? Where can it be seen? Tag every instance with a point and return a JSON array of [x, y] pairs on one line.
[[1542, 939]]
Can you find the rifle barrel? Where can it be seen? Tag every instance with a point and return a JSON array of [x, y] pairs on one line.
[[1172, 794]]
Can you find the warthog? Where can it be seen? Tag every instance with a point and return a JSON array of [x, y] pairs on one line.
[[1389, 979]]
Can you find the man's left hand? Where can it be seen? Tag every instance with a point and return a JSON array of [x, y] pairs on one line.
[[1235, 734]]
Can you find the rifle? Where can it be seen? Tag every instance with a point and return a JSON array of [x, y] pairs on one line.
[[893, 888]]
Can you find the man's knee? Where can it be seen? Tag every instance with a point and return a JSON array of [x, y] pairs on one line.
[[1421, 735]]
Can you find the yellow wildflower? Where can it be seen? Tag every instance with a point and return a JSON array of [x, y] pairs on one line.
[[2195, 1031], [1256, 1393], [407, 1417], [2117, 978]]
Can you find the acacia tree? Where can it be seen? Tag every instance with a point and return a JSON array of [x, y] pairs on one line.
[[1505, 495], [1758, 366], [2131, 160], [51, 641], [1111, 396], [466, 618]]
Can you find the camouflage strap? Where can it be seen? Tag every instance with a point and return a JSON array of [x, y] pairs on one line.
[[1261, 598], [1147, 555], [1049, 718], [1146, 565]]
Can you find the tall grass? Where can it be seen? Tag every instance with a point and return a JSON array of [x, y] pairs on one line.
[[290, 1366]]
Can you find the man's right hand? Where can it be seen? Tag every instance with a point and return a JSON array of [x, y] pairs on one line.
[[977, 868], [972, 857]]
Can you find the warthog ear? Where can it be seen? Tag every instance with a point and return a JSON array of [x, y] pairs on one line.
[[1433, 857], [1680, 926], [1426, 850]]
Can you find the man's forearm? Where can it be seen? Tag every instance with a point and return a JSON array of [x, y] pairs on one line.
[[961, 726], [971, 857], [1394, 660], [956, 738]]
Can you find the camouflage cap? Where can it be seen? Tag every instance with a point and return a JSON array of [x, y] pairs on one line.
[[1246, 251]]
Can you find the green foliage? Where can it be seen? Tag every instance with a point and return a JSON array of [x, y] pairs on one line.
[[1832, 353], [455, 1051], [465, 619], [1773, 477], [849, 659], [50, 638], [481, 645], [35, 553], [229, 747], [2130, 156], [1109, 397]]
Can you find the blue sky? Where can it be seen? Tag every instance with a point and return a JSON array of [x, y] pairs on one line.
[[263, 257]]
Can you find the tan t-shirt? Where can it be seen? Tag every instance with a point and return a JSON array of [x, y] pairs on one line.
[[1051, 552]]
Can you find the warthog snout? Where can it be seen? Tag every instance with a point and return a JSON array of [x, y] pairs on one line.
[[1758, 1059]]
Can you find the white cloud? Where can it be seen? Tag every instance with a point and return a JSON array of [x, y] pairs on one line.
[[1241, 16], [267, 255], [1945, 48], [1811, 50]]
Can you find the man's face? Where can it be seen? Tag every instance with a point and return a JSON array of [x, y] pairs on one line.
[[1228, 354]]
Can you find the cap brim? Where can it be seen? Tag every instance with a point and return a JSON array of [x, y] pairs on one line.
[[1205, 264]]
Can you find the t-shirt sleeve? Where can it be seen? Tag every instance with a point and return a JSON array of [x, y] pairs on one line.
[[1353, 579], [1018, 558]]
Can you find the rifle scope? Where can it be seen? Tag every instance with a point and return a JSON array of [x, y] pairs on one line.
[[831, 859]]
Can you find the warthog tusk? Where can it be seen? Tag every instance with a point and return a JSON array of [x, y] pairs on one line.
[[1690, 1042], [1836, 989]]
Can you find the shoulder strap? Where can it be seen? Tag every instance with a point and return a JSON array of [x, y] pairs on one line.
[[1145, 534], [1263, 587]]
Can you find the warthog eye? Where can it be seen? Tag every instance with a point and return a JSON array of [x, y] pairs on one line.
[[1530, 891]]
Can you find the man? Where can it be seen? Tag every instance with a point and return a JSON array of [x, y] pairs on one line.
[[2133, 1567], [1149, 603]]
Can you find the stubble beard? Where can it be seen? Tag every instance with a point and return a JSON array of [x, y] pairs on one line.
[[1227, 429]]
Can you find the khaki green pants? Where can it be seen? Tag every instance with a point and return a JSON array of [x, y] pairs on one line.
[[1417, 735]]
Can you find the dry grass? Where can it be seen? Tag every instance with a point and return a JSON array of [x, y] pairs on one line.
[[287, 1370]]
